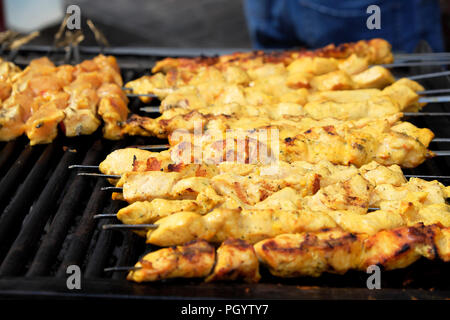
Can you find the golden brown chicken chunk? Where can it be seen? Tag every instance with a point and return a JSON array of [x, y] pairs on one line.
[[193, 260], [235, 260]]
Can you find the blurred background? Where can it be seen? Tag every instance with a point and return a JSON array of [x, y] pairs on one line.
[[240, 24]]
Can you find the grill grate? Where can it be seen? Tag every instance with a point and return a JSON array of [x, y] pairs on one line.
[[46, 218]]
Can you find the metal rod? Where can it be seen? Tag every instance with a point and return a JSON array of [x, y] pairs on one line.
[[433, 91], [113, 189], [425, 176], [150, 109], [403, 57], [115, 269], [80, 166], [105, 215], [441, 140], [442, 153], [429, 75], [436, 99], [154, 147], [416, 64], [129, 226], [109, 176], [135, 95], [426, 114]]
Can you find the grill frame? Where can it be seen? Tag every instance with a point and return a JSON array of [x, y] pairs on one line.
[[44, 205]]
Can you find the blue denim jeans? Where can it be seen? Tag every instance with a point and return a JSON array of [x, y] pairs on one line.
[[316, 23]]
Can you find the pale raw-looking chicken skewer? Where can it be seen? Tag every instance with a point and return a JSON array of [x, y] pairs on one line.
[[295, 255], [44, 96]]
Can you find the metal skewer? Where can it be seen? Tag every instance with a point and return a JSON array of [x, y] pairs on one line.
[[433, 91], [435, 99], [90, 174], [426, 114], [129, 226], [425, 176], [416, 64], [76, 166], [445, 153], [430, 75], [116, 269], [113, 189], [105, 215]]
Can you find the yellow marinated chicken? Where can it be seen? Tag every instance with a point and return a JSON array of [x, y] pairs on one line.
[[335, 251], [255, 183], [193, 260], [252, 101], [272, 87], [246, 185], [346, 201], [308, 254], [235, 260], [341, 142], [344, 204], [173, 73]]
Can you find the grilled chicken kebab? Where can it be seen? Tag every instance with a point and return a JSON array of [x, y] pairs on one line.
[[239, 68], [293, 255], [385, 140], [251, 201]]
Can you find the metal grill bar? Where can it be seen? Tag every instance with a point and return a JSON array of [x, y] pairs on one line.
[[81, 237], [103, 247], [61, 222], [28, 237], [12, 178], [13, 214]]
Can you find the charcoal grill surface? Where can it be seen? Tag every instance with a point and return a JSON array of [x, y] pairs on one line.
[[46, 218]]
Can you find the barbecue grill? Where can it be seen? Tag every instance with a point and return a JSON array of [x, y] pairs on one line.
[[47, 214]]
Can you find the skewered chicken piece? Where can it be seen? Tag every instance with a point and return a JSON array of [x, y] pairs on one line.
[[372, 186], [301, 254], [343, 104], [235, 259], [377, 51], [8, 70], [336, 251], [250, 183], [240, 68], [341, 142], [253, 211], [39, 80]]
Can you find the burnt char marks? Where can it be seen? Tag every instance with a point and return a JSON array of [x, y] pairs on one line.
[[316, 183], [331, 130], [175, 167], [238, 244], [192, 250], [289, 141]]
